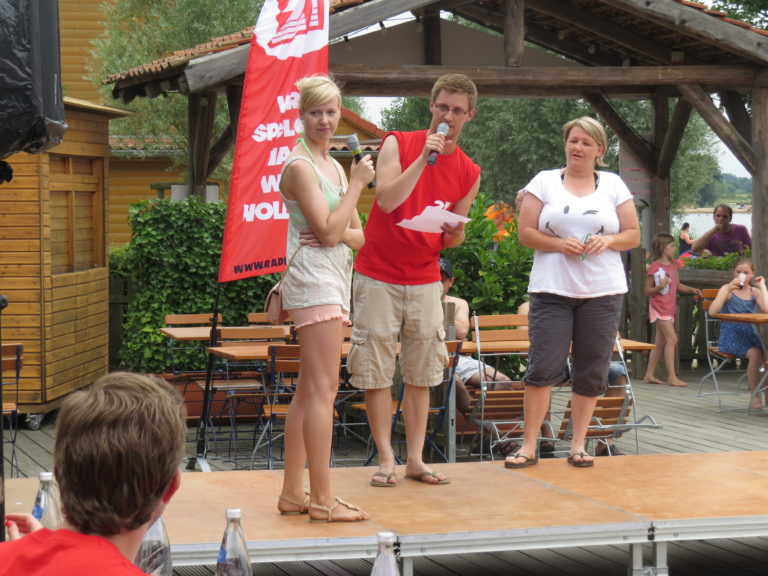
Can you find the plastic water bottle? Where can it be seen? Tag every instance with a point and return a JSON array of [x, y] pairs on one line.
[[154, 555], [386, 563], [233, 555], [658, 277], [46, 507]]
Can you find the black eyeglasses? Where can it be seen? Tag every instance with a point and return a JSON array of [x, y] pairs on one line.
[[457, 112]]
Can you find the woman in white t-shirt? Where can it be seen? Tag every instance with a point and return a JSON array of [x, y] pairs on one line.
[[577, 220]]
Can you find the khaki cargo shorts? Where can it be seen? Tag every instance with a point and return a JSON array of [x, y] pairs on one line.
[[382, 313]]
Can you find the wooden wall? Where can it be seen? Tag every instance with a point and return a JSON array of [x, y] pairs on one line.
[[53, 259], [130, 182], [80, 21]]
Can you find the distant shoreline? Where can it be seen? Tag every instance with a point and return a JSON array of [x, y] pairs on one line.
[[710, 210]]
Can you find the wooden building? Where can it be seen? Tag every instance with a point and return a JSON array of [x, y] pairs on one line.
[[53, 263]]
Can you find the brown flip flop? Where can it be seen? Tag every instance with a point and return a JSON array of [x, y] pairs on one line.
[[387, 475], [421, 477]]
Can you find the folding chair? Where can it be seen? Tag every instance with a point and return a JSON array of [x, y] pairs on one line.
[[347, 396], [611, 418], [188, 350], [497, 414], [12, 357], [494, 328], [615, 413], [717, 360], [240, 382], [258, 318], [283, 372]]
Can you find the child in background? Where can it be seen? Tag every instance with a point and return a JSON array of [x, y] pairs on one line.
[[662, 285], [743, 340]]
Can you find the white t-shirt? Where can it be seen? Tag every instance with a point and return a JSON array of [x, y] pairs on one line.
[[567, 216]]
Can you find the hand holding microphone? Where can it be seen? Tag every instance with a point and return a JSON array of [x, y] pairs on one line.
[[442, 128], [354, 145]]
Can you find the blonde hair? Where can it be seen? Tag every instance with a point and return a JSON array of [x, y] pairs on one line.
[[595, 131], [456, 84], [316, 90]]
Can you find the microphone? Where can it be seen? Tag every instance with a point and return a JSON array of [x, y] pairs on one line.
[[354, 144], [442, 128]]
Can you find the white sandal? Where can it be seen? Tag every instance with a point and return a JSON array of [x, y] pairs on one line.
[[303, 505], [329, 510]]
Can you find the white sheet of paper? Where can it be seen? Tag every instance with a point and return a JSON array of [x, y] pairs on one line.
[[431, 220]]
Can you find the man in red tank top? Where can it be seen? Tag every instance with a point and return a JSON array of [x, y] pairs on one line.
[[397, 286]]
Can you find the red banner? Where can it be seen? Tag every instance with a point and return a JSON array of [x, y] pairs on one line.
[[290, 42]]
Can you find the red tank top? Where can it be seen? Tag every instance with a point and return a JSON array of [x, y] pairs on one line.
[[395, 254]]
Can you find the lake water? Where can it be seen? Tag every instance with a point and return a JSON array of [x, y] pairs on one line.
[[702, 221]]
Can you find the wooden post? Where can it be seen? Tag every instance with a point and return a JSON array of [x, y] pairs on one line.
[[638, 329], [760, 181]]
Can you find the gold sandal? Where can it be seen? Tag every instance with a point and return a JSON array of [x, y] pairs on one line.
[[303, 505], [329, 510]]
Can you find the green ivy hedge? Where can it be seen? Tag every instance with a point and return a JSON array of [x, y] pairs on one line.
[[172, 262]]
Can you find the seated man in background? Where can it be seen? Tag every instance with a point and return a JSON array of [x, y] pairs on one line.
[[117, 451], [723, 237], [468, 368]]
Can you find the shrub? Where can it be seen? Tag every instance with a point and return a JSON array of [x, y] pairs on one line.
[[173, 260]]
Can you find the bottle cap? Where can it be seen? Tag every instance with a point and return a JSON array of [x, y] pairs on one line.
[[388, 537], [46, 476], [233, 513]]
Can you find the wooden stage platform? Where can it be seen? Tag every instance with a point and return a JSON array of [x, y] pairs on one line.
[[631, 501]]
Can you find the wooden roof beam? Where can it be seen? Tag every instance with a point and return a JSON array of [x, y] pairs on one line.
[[568, 48], [720, 125], [226, 139], [636, 46], [735, 107], [359, 17], [697, 24], [201, 111], [360, 80], [514, 32], [673, 137]]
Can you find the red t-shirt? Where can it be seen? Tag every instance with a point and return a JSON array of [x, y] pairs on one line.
[[395, 254], [665, 304], [63, 553]]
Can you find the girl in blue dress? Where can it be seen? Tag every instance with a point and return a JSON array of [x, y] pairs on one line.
[[745, 293]]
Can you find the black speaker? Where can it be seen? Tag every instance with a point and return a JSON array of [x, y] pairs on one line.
[[31, 101]]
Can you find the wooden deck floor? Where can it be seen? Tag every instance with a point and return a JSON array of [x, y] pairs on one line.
[[691, 424]]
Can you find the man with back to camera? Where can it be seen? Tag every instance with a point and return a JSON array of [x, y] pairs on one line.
[[724, 236], [396, 290], [117, 451]]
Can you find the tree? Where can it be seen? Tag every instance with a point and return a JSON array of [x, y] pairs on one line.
[[753, 11], [513, 139], [140, 31]]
